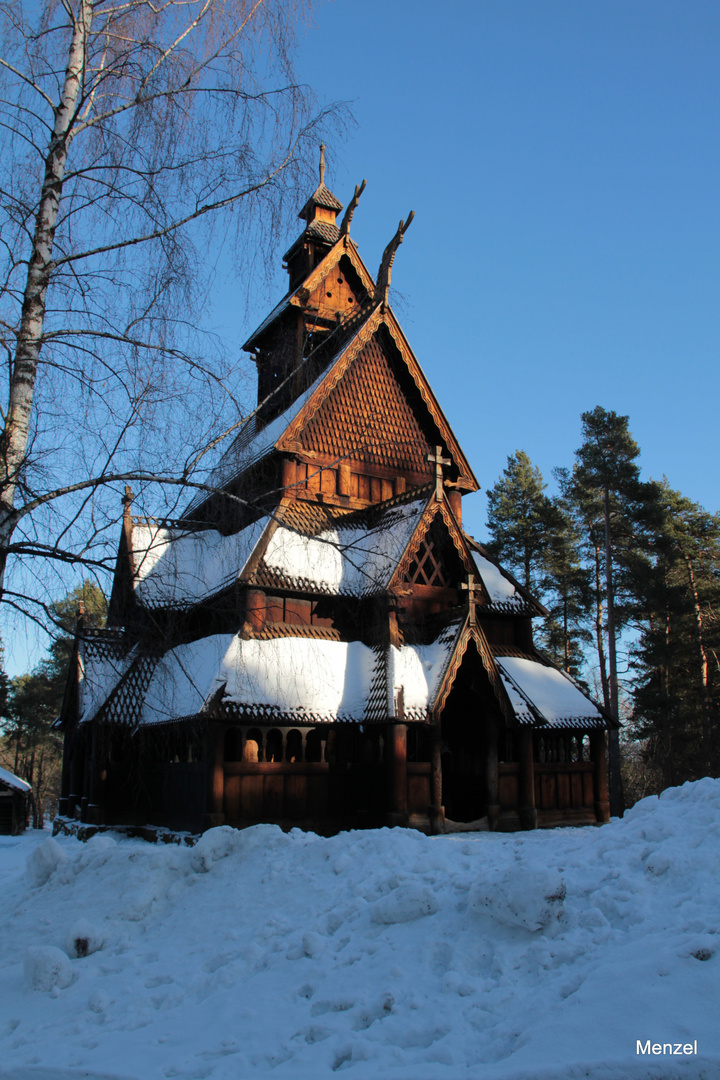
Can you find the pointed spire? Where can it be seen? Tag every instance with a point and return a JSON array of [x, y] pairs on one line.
[[322, 162]]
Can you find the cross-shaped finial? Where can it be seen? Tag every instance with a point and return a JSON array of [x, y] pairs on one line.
[[322, 162], [472, 587], [439, 461]]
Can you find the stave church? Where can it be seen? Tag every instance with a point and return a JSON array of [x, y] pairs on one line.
[[317, 642]]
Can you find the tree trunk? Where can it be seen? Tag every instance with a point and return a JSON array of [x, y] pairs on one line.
[[599, 631], [616, 791], [702, 668], [14, 438]]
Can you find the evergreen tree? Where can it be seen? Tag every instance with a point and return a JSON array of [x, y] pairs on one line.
[[614, 507], [518, 516], [567, 592], [676, 702], [536, 538]]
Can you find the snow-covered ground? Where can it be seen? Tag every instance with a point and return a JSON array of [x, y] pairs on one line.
[[383, 954]]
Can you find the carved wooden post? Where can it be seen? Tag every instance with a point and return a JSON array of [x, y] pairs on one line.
[[600, 777], [437, 810], [397, 739], [215, 777], [528, 813], [491, 773]]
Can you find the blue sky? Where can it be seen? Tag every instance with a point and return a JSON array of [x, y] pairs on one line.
[[562, 160]]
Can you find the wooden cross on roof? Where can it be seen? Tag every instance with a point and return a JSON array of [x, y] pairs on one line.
[[439, 461], [472, 587]]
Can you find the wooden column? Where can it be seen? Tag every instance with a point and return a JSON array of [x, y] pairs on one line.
[[528, 813], [491, 773], [215, 776], [437, 810], [600, 776], [397, 744]]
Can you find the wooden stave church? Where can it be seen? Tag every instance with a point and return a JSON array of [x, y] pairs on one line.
[[317, 642]]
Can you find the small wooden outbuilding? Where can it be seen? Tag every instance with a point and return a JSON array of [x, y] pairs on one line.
[[13, 803]]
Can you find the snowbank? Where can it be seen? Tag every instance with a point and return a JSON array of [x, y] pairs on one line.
[[380, 954]]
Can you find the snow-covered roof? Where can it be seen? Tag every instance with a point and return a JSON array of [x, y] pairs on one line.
[[101, 671], [542, 694], [500, 588], [13, 781], [419, 671], [303, 678], [351, 559], [174, 567]]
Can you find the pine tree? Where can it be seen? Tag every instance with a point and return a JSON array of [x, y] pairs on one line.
[[613, 505], [518, 518], [677, 695], [567, 592]]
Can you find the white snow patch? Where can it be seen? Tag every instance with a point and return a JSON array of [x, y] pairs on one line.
[[46, 967], [181, 567], [555, 696], [44, 860], [306, 676], [520, 896], [349, 561], [499, 588], [261, 953]]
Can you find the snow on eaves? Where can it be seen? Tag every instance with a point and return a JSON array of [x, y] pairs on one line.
[[100, 674], [347, 561], [500, 589], [301, 678], [176, 568], [11, 780], [539, 693]]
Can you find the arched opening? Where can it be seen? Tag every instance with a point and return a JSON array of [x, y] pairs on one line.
[[293, 746], [274, 745]]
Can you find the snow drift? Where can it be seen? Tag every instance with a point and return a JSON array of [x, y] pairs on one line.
[[377, 954]]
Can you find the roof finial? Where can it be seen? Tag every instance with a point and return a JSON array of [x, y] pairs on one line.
[[322, 162], [382, 286]]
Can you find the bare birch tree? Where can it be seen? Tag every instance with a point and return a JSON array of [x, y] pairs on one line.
[[132, 130]]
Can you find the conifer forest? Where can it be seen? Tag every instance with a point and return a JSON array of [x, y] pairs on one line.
[[629, 572]]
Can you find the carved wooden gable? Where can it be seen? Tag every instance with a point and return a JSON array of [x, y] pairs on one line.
[[436, 558], [366, 417]]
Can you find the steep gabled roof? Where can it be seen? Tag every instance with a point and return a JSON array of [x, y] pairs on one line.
[[342, 246], [381, 318], [321, 196], [177, 568]]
